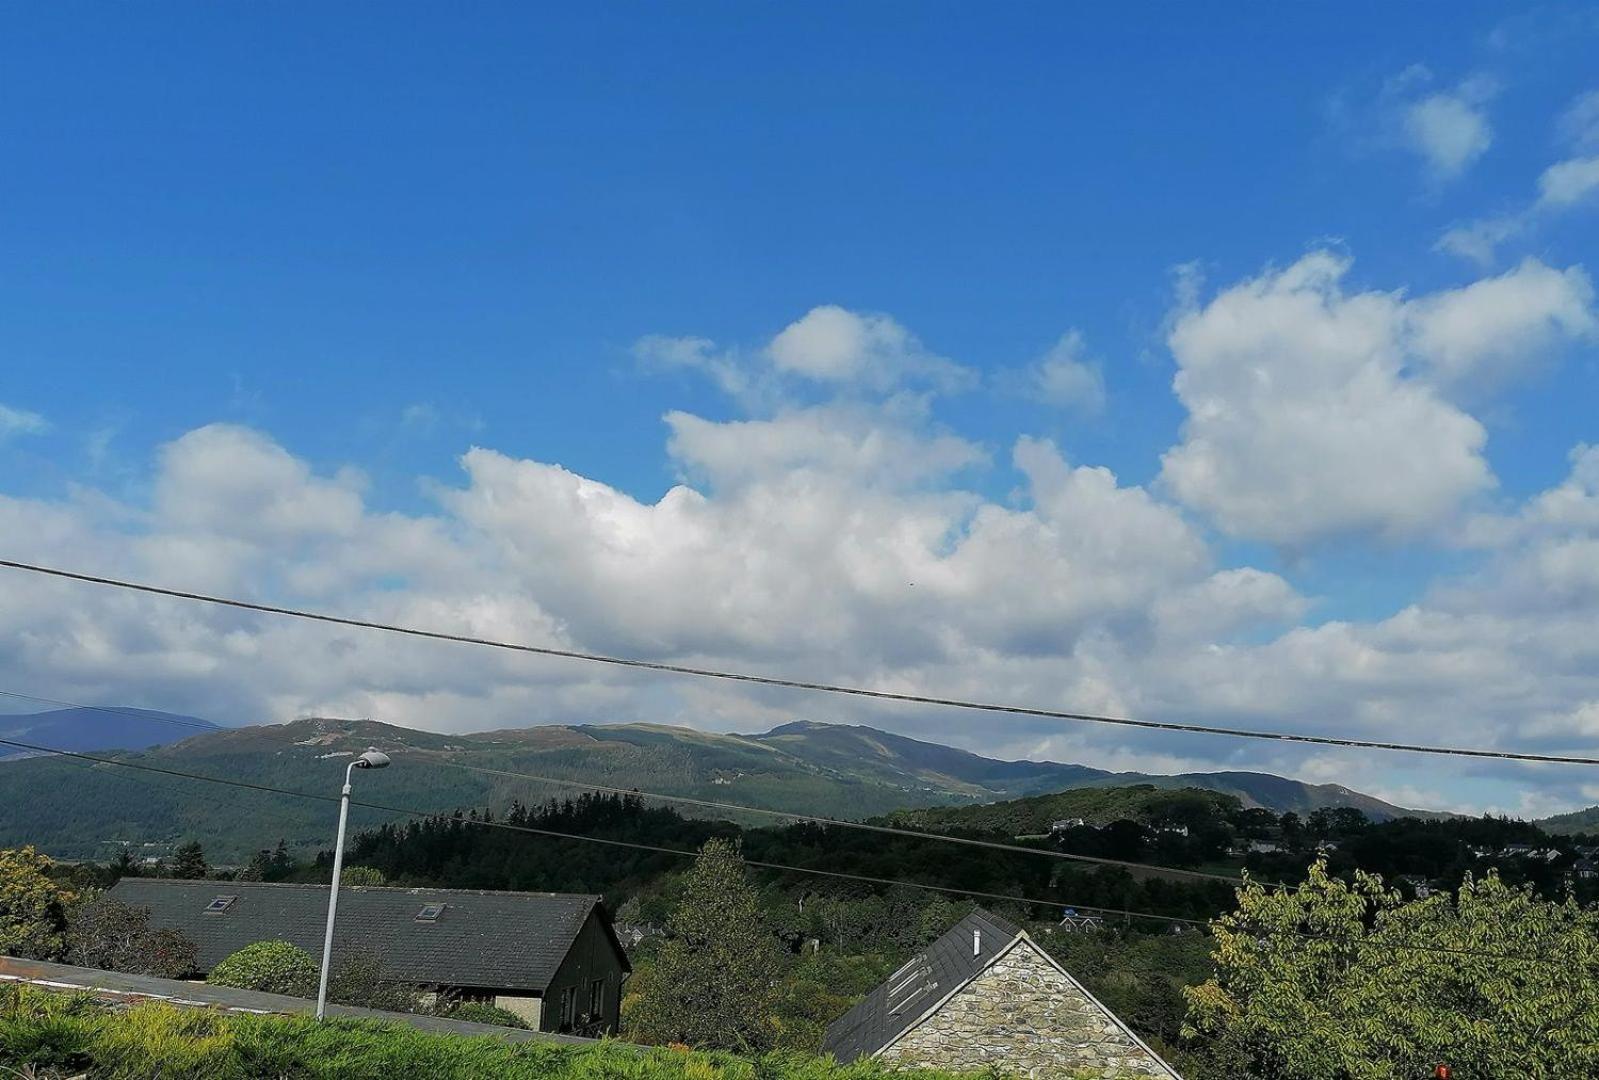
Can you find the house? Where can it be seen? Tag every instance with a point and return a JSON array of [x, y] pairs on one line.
[[1585, 868], [1264, 847], [1065, 824], [551, 958], [1420, 887], [1073, 921], [986, 996]]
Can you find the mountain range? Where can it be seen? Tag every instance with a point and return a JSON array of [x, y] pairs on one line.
[[79, 809], [96, 729]]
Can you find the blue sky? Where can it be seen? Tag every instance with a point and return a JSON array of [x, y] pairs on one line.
[[375, 238]]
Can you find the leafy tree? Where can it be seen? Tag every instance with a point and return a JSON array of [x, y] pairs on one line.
[[715, 975], [275, 967], [362, 875], [33, 906], [106, 933], [1346, 981], [267, 865], [189, 861]]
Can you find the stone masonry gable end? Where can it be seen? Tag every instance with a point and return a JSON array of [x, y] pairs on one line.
[[1023, 1015]]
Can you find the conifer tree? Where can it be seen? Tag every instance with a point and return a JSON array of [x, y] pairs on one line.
[[714, 979]]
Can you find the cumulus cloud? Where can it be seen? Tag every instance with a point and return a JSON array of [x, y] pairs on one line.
[[1302, 423], [1494, 329], [1066, 376], [860, 542], [1315, 413], [1561, 187], [831, 345], [21, 422], [1450, 130]]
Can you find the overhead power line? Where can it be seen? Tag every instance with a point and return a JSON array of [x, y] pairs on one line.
[[439, 758], [778, 867], [800, 684]]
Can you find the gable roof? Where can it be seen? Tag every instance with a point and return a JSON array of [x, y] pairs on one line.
[[492, 940], [900, 1001]]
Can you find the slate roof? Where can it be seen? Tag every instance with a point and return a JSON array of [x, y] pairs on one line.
[[489, 940], [924, 980]]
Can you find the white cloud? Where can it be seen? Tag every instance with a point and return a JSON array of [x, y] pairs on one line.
[[828, 348], [1450, 130], [1302, 422], [1579, 124], [843, 541], [1561, 187], [1067, 377], [21, 422], [1491, 330], [832, 345], [1568, 183]]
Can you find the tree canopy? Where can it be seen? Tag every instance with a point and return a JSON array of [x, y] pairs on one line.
[[1347, 981], [715, 977]]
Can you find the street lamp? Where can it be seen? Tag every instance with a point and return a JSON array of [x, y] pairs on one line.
[[372, 759]]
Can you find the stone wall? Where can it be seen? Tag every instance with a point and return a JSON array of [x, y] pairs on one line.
[[1024, 1017]]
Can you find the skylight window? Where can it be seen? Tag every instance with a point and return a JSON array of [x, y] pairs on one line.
[[219, 905], [430, 913]]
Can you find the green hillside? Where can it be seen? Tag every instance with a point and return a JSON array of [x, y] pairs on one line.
[[79, 810], [1096, 806], [1577, 821]]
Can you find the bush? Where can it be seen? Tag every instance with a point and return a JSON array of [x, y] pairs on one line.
[[157, 1040], [108, 934], [275, 967], [481, 1012], [359, 980]]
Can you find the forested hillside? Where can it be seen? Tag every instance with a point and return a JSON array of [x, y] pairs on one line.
[[82, 810]]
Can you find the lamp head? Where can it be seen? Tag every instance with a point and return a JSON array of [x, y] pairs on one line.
[[372, 759]]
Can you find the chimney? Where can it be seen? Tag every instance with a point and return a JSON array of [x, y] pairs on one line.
[[977, 942]]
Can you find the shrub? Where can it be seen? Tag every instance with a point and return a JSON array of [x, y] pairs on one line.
[[33, 908], [481, 1012], [362, 875], [359, 980], [275, 967], [106, 933]]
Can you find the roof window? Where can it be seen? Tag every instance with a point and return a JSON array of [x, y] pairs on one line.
[[219, 905], [430, 913]]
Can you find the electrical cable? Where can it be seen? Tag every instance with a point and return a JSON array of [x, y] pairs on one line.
[[800, 684], [779, 867]]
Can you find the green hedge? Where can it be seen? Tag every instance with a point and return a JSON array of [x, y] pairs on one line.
[[61, 1035], [481, 1012]]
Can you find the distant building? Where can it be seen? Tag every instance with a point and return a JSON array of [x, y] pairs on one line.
[[551, 958], [1420, 886], [1264, 847], [1586, 869], [1074, 921], [1065, 824], [1179, 830], [985, 996]]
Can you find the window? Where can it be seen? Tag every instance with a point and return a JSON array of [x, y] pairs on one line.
[[430, 913], [568, 1007], [219, 905], [597, 998]]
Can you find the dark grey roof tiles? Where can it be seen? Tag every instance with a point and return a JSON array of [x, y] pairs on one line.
[[922, 982], [492, 940]]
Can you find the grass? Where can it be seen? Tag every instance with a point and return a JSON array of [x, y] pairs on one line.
[[62, 1034], [49, 1034]]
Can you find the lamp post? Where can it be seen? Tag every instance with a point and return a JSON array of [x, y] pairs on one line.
[[372, 759]]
